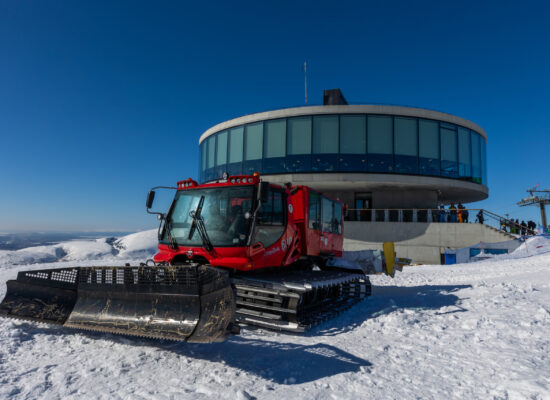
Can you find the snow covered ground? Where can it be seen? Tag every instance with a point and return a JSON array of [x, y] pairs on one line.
[[479, 330]]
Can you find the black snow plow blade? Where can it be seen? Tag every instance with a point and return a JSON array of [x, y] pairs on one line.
[[192, 303]]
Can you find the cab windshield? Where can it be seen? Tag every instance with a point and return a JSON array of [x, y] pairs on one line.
[[226, 213]]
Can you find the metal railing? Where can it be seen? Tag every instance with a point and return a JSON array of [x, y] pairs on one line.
[[467, 215]]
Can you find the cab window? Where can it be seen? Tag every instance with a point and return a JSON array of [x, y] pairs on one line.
[[331, 216], [271, 221], [314, 211]]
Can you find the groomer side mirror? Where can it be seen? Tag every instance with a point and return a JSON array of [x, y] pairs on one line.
[[150, 199], [264, 192]]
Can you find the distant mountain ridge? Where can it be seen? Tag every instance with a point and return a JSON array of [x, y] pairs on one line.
[[140, 245], [21, 240]]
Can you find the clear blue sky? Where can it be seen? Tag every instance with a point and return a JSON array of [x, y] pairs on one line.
[[99, 101]]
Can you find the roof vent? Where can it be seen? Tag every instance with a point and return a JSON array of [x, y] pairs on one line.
[[334, 97]]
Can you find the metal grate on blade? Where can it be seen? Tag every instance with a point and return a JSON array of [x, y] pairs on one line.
[[142, 275], [60, 277]]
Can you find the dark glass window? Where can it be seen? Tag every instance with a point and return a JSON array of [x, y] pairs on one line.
[[203, 160], [221, 153], [483, 160], [254, 136], [464, 154], [325, 143], [234, 166], [449, 161], [274, 146], [337, 226], [298, 158], [353, 143], [429, 147], [223, 212], [210, 161], [476, 157], [326, 214], [211, 151], [314, 214], [331, 216], [406, 146], [380, 144], [271, 219]]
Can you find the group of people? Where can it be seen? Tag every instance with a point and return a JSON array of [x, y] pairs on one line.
[[518, 228], [453, 214]]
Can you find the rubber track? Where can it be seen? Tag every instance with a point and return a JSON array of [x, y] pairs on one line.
[[300, 300]]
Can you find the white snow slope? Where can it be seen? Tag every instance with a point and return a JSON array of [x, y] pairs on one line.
[[467, 331]]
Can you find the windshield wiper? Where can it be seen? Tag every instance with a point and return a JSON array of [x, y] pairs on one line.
[[198, 224]]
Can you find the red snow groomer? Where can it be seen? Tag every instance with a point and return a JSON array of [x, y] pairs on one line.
[[234, 251]]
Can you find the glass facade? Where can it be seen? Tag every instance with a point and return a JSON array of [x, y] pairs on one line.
[[429, 159], [380, 143], [346, 143], [406, 145]]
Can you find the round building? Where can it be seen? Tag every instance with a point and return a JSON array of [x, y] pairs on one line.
[[369, 156]]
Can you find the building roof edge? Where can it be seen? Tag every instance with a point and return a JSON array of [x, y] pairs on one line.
[[344, 109]]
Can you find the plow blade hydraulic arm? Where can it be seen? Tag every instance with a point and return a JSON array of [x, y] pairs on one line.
[[191, 303]]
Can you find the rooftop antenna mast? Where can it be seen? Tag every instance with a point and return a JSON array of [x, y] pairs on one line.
[[537, 197], [305, 79]]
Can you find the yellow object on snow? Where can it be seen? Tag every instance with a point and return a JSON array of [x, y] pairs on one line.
[[389, 257]]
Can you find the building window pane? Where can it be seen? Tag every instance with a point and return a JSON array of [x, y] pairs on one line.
[[221, 154], [325, 134], [325, 143], [234, 167], [406, 145], [380, 143], [353, 134], [210, 160], [406, 142], [476, 157], [254, 135], [211, 151], [299, 135], [449, 162], [275, 138], [464, 153], [298, 158], [254, 139], [236, 144], [353, 143], [429, 147], [484, 161], [203, 159], [221, 157], [275, 146]]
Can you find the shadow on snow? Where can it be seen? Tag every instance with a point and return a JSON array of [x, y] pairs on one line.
[[282, 363], [388, 299]]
